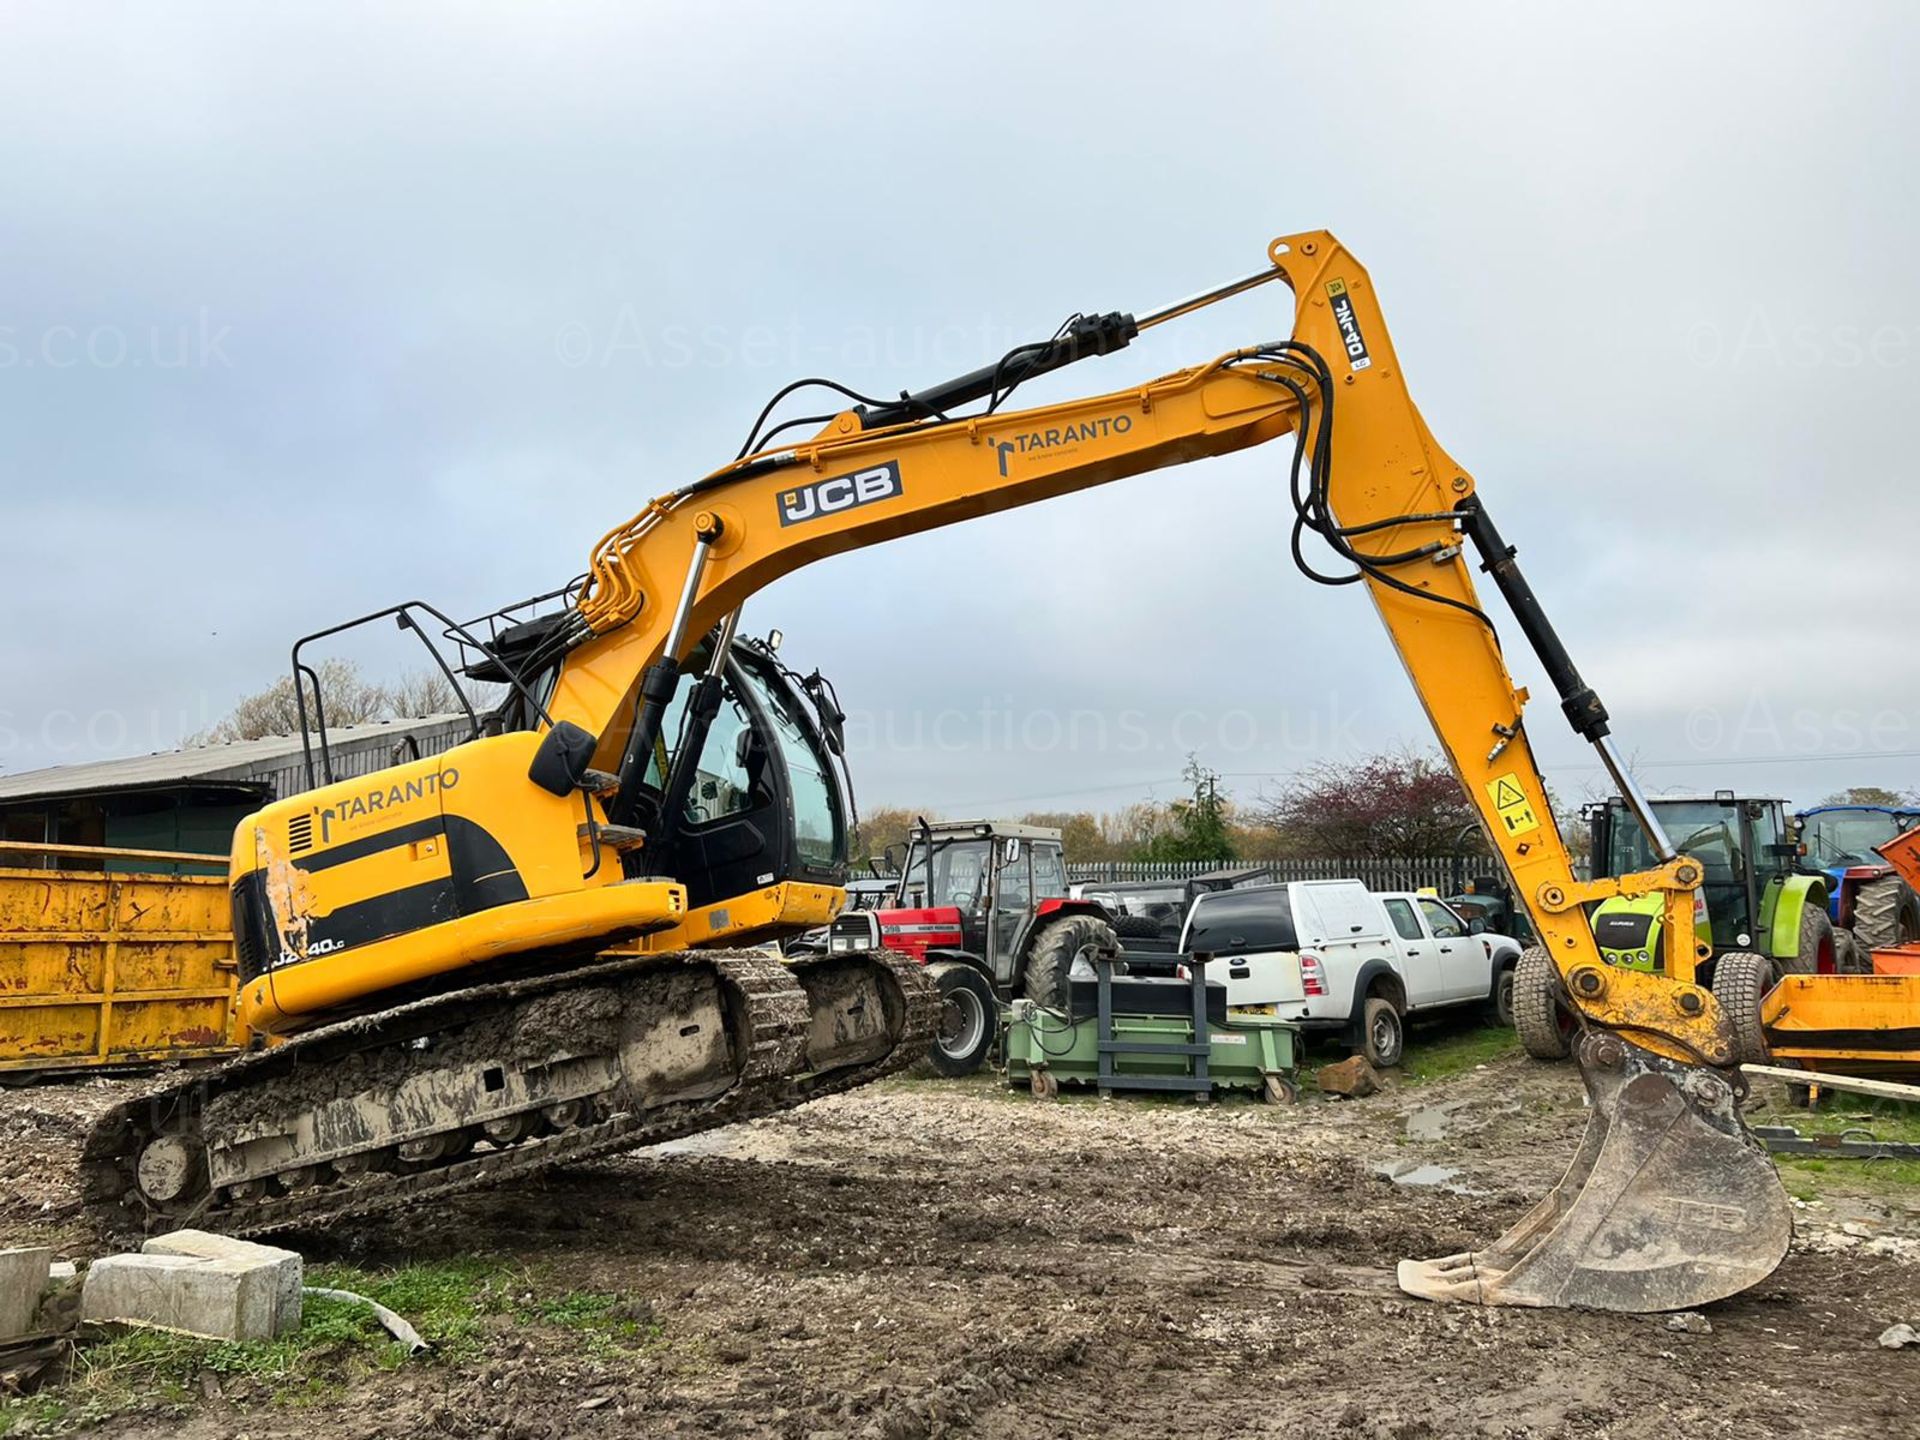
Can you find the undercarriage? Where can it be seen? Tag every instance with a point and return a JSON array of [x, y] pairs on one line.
[[499, 1081]]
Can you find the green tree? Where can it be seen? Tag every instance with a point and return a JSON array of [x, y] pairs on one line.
[[1197, 828]]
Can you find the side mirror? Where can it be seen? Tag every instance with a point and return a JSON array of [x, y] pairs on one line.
[[562, 761], [1011, 851], [895, 856], [1476, 926], [743, 748]]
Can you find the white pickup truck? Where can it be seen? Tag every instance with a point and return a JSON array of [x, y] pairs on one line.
[[1333, 955]]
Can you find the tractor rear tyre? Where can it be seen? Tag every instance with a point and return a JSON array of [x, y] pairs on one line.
[[1848, 957], [1741, 981], [1059, 944], [1817, 954], [1884, 915], [969, 1019], [1540, 1016]]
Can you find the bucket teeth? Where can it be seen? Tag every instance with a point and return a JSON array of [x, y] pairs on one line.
[[1668, 1205]]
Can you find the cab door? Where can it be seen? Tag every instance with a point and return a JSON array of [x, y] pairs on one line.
[[1464, 973], [1011, 904], [1416, 951]]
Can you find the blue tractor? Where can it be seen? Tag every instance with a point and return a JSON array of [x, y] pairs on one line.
[[1866, 897]]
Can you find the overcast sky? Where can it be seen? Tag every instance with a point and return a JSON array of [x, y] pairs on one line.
[[305, 309]]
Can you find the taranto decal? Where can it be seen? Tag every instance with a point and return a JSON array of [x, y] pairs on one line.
[[1349, 324], [1035, 440], [842, 492], [388, 797]]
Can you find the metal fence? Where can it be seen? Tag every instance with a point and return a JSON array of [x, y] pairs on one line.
[[1445, 873]]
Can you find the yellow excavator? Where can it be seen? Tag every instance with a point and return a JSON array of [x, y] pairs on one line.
[[531, 949]]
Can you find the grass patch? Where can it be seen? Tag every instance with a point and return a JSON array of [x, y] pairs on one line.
[[1807, 1176], [1439, 1054], [448, 1302]]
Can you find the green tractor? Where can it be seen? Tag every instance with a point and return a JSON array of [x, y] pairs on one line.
[[1759, 911]]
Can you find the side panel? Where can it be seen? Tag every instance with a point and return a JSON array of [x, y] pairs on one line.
[[103, 969], [348, 891], [914, 932]]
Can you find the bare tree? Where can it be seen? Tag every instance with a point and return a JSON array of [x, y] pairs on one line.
[[425, 692], [350, 698], [1401, 804]]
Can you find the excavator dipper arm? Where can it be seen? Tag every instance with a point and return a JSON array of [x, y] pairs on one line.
[[1669, 1203]]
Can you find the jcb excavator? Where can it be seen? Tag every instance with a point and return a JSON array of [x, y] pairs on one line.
[[526, 950]]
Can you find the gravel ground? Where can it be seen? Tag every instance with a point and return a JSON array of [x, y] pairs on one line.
[[927, 1258]]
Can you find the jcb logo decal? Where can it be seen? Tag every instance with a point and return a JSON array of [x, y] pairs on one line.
[[843, 492], [1349, 323]]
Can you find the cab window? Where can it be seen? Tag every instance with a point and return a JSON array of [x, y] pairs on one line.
[[1406, 924], [1015, 888], [1443, 922], [1049, 876]]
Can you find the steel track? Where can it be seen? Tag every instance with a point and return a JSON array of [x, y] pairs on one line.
[[777, 1018]]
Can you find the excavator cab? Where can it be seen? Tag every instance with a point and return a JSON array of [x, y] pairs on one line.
[[753, 791]]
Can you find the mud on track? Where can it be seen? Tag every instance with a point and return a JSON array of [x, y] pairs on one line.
[[923, 1259]]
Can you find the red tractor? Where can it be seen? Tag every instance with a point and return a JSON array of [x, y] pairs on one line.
[[984, 906]]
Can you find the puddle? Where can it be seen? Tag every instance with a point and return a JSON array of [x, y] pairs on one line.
[[1413, 1172], [1435, 1122], [1455, 1118]]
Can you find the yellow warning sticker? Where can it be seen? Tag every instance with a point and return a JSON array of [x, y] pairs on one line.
[[1516, 814]]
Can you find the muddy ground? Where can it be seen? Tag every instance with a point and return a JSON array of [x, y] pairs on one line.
[[947, 1258]]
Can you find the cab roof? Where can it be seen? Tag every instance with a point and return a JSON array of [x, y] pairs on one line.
[[988, 829]]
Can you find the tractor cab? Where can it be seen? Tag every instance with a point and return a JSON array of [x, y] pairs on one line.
[[1868, 897], [1754, 895], [975, 886]]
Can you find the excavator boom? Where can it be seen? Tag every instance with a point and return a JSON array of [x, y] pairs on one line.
[[1669, 1202]]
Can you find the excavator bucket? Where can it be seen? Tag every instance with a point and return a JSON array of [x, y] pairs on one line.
[[1668, 1205]]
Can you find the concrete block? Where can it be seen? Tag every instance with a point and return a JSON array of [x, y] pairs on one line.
[[23, 1276], [234, 1291], [289, 1271]]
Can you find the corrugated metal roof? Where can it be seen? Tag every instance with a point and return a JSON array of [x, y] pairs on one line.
[[272, 760]]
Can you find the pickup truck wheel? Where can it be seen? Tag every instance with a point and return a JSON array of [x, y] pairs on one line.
[[1500, 1003], [1382, 1039], [1540, 1018], [969, 1020], [1740, 982]]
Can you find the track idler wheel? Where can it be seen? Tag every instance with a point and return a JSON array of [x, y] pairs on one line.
[[1668, 1205]]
